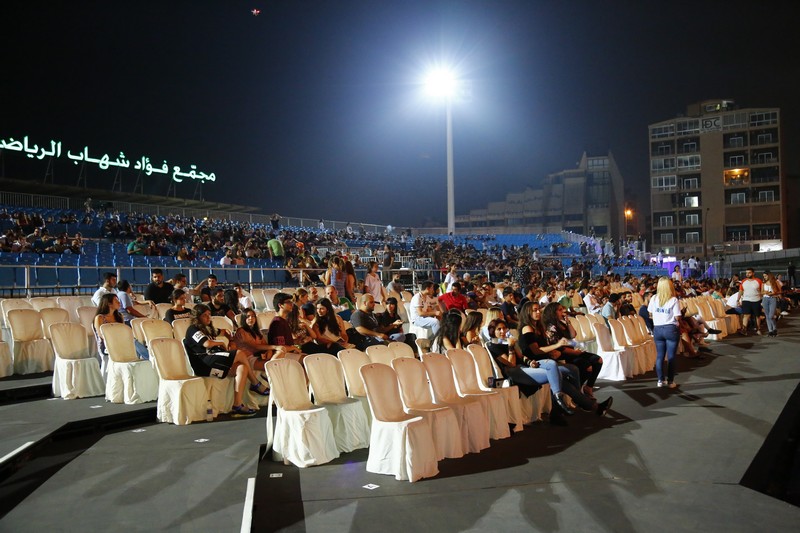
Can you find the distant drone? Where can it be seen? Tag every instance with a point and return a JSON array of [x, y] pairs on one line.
[[255, 12]]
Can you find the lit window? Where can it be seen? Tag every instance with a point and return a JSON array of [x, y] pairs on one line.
[[691, 201]]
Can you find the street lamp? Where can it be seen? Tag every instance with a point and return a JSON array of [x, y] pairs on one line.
[[442, 83], [628, 218]]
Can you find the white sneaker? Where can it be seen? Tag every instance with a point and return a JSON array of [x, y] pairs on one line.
[[784, 313], [661, 384]]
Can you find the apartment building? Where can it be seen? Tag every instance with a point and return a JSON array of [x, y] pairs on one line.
[[581, 199], [717, 184]]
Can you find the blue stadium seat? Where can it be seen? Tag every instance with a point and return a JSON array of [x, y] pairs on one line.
[[46, 277], [68, 276], [89, 276], [7, 276]]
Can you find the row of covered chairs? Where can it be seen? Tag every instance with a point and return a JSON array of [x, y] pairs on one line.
[[420, 411]]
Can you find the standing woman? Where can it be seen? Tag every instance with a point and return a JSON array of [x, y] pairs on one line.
[[666, 311], [350, 281], [372, 283], [771, 290], [336, 275]]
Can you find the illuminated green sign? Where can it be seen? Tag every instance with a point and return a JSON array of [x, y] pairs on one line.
[[142, 164]]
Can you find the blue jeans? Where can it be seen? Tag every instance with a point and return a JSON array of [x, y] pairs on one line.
[[546, 373], [769, 304], [666, 339]]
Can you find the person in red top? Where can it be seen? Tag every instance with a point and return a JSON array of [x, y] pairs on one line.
[[454, 299]]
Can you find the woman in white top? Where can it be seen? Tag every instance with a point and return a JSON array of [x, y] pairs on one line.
[[770, 289], [665, 311], [372, 283], [676, 274]]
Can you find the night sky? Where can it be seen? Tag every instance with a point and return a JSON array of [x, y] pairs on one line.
[[316, 109]]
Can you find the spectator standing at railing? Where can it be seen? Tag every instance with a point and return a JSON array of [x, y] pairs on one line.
[[275, 248], [388, 262]]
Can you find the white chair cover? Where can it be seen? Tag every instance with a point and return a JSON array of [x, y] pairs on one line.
[[86, 316], [182, 399], [6, 361], [350, 423], [303, 434], [423, 347], [380, 354], [77, 372], [471, 413], [43, 303], [129, 380], [179, 327], [401, 349], [589, 342], [485, 370], [161, 310], [259, 301], [265, 319], [418, 401], [32, 352], [621, 343], [467, 385], [635, 337], [155, 329], [401, 445], [704, 307], [615, 360], [269, 295], [136, 326], [7, 305], [352, 360], [52, 315], [222, 322], [71, 304], [732, 321]]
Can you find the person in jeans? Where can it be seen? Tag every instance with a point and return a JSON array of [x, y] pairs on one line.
[[666, 311], [771, 290]]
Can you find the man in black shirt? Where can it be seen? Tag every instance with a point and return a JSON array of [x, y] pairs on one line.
[[158, 292]]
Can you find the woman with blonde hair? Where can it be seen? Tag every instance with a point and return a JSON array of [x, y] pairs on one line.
[[493, 313], [665, 311]]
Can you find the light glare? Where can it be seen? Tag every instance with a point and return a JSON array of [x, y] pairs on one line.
[[441, 83]]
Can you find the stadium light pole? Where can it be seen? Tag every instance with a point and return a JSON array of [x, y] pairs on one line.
[[442, 83]]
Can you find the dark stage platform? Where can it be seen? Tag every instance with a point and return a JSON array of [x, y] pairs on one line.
[[661, 461]]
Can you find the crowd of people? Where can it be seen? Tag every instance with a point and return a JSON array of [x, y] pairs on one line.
[[336, 311]]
